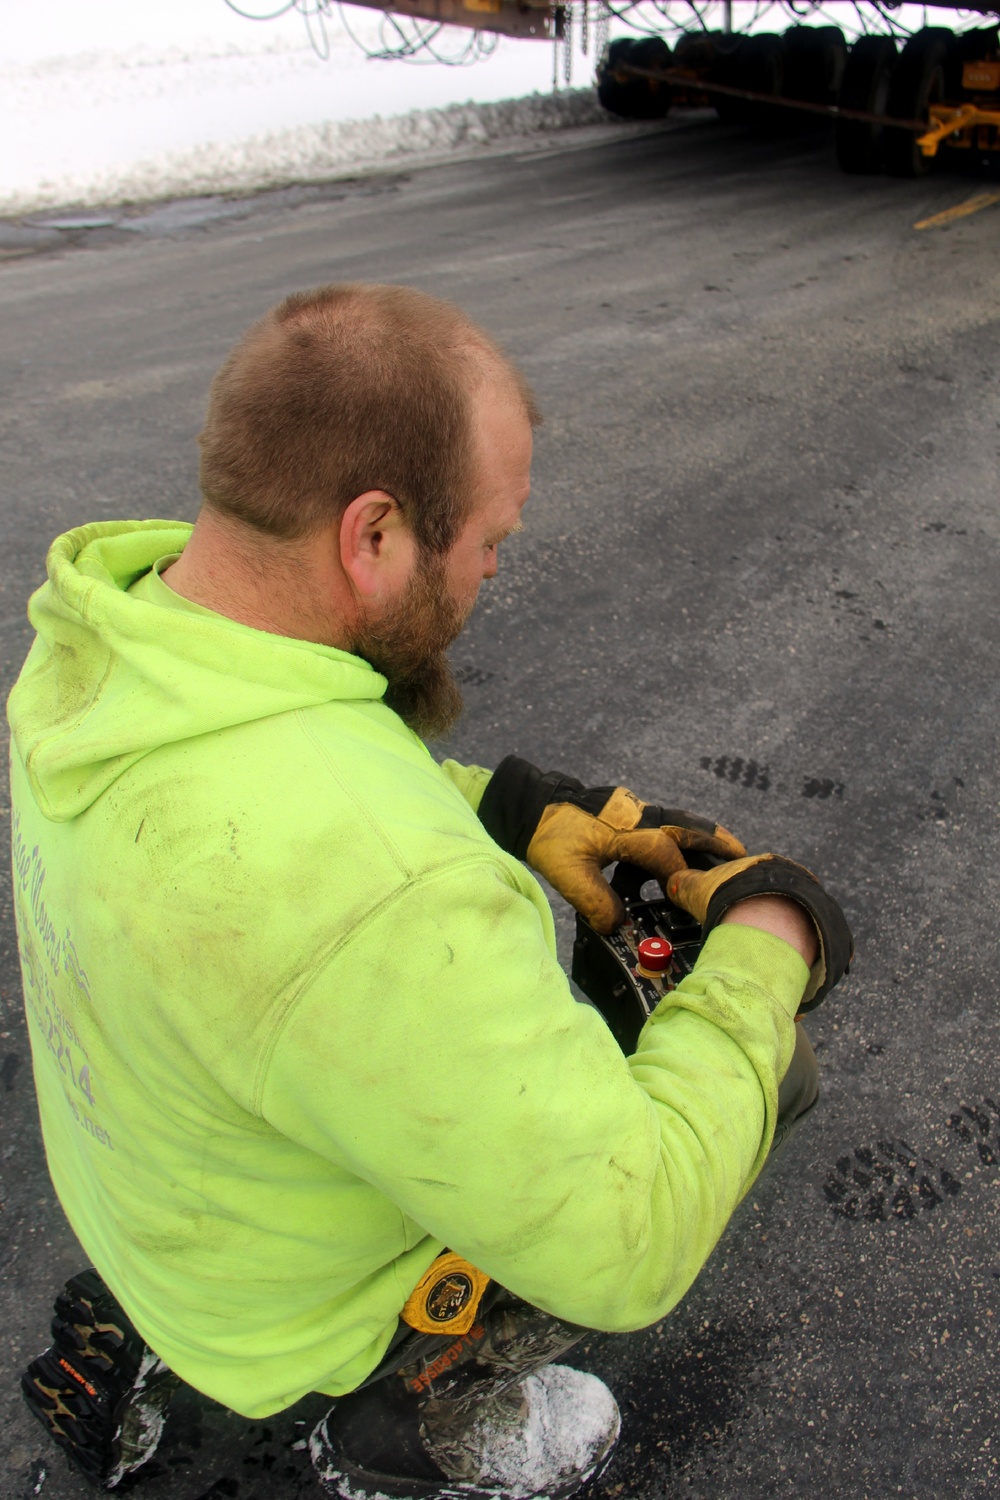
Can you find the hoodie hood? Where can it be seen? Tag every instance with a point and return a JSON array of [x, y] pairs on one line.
[[111, 677]]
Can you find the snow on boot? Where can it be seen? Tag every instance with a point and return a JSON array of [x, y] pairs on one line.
[[545, 1435]]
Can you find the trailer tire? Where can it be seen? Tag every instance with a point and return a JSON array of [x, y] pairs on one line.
[[917, 83], [756, 63], [652, 52], [866, 83], [634, 98], [725, 69], [816, 57], [613, 94], [696, 50]]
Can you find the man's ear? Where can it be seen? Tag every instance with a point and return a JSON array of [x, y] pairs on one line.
[[377, 548]]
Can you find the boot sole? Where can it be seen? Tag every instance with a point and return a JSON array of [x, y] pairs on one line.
[[83, 1386], [73, 1410]]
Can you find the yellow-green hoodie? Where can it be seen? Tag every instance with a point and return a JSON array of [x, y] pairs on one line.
[[297, 1022]]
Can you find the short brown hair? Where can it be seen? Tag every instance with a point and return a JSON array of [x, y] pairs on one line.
[[348, 388]]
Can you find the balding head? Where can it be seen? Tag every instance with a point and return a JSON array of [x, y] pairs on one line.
[[347, 389]]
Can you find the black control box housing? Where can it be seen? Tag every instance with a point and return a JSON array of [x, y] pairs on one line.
[[607, 969]]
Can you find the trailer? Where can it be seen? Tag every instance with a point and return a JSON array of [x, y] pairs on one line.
[[898, 98], [893, 107]]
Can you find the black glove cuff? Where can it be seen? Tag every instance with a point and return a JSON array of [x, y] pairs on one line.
[[676, 817], [518, 793], [782, 877]]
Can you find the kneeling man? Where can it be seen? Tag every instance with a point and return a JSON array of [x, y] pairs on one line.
[[318, 1101]]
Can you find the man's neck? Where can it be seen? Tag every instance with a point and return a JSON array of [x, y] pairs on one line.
[[287, 588]]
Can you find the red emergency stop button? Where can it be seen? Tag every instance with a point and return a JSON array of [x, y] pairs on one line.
[[654, 955]]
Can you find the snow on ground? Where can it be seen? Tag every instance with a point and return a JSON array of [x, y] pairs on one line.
[[312, 153], [184, 96]]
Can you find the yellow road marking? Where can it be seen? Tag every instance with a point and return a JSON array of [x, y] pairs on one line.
[[960, 211]]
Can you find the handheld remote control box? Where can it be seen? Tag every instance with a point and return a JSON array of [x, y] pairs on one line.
[[627, 974]]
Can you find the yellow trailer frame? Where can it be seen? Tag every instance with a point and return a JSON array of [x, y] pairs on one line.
[[958, 125]]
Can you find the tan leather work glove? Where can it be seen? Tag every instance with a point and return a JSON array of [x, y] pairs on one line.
[[708, 894], [569, 832]]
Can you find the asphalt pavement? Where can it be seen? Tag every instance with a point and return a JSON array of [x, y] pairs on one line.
[[759, 579]]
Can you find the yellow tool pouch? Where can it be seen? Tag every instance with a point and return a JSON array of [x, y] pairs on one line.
[[446, 1298]]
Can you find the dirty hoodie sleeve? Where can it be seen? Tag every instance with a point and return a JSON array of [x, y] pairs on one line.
[[441, 1054]]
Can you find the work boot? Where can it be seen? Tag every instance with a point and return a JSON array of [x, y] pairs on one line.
[[486, 1414], [99, 1391], [544, 1435], [798, 1091]]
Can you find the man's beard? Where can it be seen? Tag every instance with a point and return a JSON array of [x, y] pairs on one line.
[[407, 645]]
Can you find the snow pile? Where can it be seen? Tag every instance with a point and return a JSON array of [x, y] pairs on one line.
[[316, 152]]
